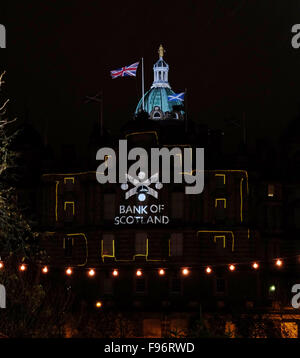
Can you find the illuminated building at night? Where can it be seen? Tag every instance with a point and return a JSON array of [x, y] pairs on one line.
[[216, 251]]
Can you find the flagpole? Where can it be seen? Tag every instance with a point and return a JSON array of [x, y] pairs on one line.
[[185, 110], [143, 89]]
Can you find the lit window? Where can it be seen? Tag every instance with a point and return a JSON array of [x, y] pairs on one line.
[[108, 245], [220, 242], [220, 202], [141, 244], [220, 180], [69, 208], [176, 243], [69, 183], [69, 180], [271, 190], [220, 209]]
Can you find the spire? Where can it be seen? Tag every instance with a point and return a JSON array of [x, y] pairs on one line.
[[161, 70]]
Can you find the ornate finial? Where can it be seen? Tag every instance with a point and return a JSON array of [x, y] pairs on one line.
[[161, 51]]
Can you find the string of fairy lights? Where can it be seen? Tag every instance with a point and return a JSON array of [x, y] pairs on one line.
[[161, 271]]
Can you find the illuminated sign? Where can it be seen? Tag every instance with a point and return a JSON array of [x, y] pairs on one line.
[[136, 182], [141, 214]]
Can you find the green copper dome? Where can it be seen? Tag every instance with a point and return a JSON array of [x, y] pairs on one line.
[[155, 101], [158, 97]]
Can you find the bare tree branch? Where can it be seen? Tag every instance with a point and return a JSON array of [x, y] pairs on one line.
[[2, 74], [5, 103]]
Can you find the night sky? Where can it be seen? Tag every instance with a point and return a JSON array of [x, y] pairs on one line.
[[233, 56]]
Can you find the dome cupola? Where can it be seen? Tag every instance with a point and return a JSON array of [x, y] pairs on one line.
[[161, 70], [156, 101]]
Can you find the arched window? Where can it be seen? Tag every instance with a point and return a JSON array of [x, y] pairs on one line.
[[156, 115]]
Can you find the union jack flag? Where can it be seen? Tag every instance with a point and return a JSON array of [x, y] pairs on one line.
[[125, 71]]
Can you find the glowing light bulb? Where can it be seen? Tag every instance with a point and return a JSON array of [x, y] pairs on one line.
[[255, 265], [272, 288], [279, 262], [185, 271], [22, 267], [91, 272], [69, 271], [208, 270], [1, 265], [115, 273], [45, 269], [161, 272], [231, 267], [139, 273], [98, 304]]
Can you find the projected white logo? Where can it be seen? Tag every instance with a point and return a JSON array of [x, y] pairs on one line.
[[142, 186], [167, 166], [141, 214]]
